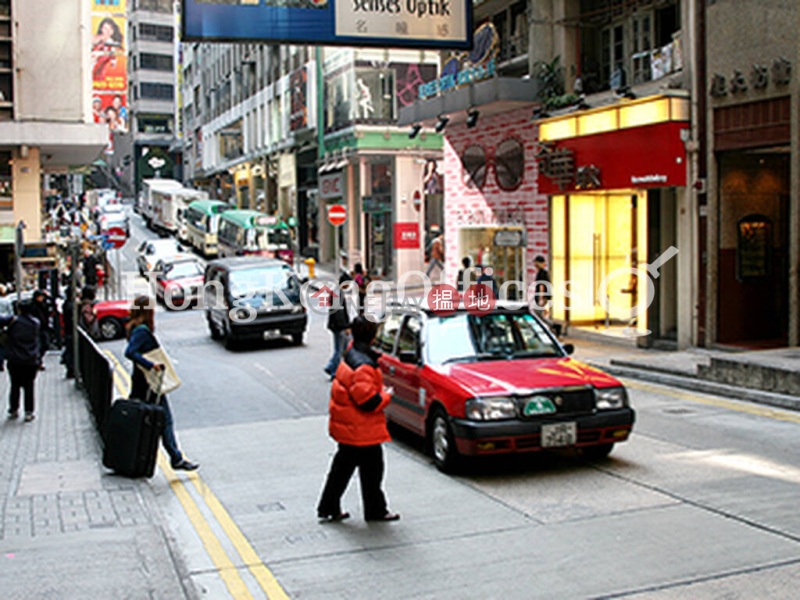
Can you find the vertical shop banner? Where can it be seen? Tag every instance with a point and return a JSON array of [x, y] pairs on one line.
[[298, 82], [178, 78], [109, 56]]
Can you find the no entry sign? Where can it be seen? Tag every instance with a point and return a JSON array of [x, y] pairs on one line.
[[116, 237], [337, 215]]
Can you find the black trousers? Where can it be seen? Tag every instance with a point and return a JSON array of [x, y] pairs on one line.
[[22, 377], [369, 460]]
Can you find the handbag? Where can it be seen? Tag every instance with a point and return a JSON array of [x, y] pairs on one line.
[[161, 383]]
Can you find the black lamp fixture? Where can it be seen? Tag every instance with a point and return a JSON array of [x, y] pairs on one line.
[[443, 121], [472, 118], [415, 129]]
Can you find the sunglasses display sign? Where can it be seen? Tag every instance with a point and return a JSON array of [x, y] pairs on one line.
[[434, 24]]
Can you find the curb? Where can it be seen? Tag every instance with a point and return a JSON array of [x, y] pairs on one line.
[[707, 387]]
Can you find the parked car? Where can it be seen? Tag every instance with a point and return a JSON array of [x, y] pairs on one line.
[[494, 384], [180, 279], [258, 298], [151, 251], [112, 316]]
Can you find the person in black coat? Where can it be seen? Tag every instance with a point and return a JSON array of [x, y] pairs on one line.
[[41, 310], [23, 356], [338, 324]]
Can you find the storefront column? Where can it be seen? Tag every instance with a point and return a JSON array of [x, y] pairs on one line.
[[26, 190], [686, 237], [794, 222], [353, 238], [712, 243]]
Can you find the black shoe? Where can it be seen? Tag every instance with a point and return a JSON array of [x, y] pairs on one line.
[[185, 465], [13, 414], [387, 517], [29, 417], [333, 518]]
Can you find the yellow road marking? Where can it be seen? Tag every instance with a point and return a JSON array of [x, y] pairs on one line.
[[255, 565], [227, 570], [760, 411]]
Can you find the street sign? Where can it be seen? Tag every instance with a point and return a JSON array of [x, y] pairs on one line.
[[116, 237], [337, 215]]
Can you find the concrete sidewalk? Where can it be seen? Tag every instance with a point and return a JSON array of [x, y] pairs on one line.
[[770, 377], [68, 528]]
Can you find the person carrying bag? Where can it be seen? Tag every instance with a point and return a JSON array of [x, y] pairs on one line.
[[153, 375]]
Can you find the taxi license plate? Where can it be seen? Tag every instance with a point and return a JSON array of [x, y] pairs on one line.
[[558, 435], [271, 334]]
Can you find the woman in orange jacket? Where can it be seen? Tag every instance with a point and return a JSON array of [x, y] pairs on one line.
[[358, 425]]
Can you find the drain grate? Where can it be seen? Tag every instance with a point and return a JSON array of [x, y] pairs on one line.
[[677, 411]]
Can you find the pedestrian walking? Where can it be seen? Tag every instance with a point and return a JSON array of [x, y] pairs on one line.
[[67, 353], [141, 340], [487, 278], [22, 354], [41, 310], [87, 318], [464, 279], [339, 325], [362, 281], [6, 310], [358, 425]]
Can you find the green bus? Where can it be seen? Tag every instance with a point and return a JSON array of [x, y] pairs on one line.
[[252, 233], [202, 224]]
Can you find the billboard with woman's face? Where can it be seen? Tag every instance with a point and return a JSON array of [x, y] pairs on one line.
[[109, 54]]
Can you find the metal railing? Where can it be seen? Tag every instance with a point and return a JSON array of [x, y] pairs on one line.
[[97, 378]]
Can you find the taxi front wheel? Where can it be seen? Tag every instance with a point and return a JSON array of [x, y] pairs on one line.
[[442, 443]]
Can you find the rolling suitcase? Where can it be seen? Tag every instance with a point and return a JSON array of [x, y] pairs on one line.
[[131, 437]]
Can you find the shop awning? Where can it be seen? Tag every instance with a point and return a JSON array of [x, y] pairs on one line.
[[496, 95]]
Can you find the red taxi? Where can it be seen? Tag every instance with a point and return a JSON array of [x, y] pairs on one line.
[[496, 383], [178, 281], [112, 316]]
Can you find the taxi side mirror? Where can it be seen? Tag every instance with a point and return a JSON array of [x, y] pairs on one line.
[[569, 349]]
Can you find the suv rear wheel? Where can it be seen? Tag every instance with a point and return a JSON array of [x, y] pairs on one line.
[[110, 328], [212, 327]]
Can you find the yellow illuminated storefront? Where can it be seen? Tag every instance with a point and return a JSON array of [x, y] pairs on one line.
[[611, 175]]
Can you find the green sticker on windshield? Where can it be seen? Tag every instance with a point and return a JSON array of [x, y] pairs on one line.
[[539, 405]]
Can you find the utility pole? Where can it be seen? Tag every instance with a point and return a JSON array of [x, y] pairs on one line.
[[74, 252], [19, 248]]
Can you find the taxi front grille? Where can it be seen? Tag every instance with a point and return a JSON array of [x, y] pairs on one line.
[[570, 401]]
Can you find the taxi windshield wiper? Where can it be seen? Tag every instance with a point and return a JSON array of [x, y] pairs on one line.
[[532, 354], [471, 357]]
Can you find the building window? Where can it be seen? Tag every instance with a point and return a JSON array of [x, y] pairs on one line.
[[153, 123], [155, 62], [159, 33], [163, 6], [157, 91]]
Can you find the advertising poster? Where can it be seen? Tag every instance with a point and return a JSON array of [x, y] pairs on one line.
[[435, 24], [109, 58], [109, 55], [111, 109], [299, 116]]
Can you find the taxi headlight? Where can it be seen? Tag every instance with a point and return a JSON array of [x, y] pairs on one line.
[[610, 398], [491, 408]]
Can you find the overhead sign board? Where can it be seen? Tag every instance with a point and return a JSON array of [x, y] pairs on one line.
[[331, 186], [439, 24]]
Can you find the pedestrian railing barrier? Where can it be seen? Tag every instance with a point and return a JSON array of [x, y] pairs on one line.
[[97, 377]]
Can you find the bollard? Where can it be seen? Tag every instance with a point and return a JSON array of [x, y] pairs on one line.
[[310, 262]]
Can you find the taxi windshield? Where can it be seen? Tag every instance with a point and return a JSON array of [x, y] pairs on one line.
[[182, 270], [498, 336]]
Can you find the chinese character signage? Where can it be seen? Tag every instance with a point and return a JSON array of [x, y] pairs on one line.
[[406, 236], [388, 23], [109, 58]]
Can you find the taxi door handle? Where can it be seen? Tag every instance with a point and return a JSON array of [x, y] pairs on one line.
[[391, 370]]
